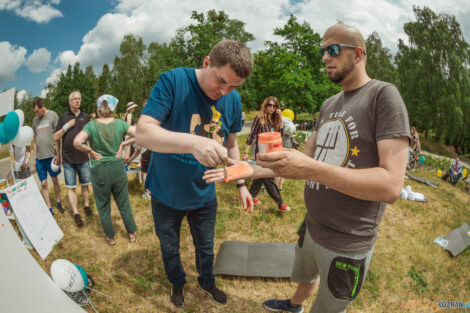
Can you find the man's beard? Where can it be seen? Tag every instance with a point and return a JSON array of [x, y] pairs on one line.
[[338, 76]]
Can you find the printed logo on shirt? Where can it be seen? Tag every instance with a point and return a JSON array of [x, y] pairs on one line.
[[211, 129], [333, 145]]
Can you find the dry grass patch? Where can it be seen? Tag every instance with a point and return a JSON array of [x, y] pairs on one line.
[[406, 264]]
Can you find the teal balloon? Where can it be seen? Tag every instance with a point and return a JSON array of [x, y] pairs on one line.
[[84, 275], [422, 159], [3, 138], [11, 125]]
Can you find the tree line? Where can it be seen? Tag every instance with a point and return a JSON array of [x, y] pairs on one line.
[[431, 70]]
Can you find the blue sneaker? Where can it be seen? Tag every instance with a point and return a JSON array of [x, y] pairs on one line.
[[276, 305]]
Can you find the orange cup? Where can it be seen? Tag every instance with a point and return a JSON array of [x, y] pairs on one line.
[[269, 142]]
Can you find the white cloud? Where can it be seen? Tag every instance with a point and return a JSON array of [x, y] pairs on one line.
[[38, 60], [67, 57], [158, 20], [39, 11], [21, 95], [54, 77], [44, 92], [12, 58]]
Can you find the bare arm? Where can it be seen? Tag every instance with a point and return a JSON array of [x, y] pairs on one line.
[[151, 135], [79, 143], [382, 183]]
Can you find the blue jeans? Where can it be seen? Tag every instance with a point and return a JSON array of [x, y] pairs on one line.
[[71, 171], [201, 223]]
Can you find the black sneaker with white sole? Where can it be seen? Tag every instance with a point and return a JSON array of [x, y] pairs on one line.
[[177, 296], [277, 305], [217, 295]]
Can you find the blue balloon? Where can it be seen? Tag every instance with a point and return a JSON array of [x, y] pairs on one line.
[[3, 138], [11, 125], [84, 275], [422, 159]]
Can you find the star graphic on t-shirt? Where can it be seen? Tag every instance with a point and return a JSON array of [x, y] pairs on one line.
[[355, 151]]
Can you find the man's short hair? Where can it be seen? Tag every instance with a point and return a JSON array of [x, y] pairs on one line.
[[235, 53], [74, 92], [38, 102]]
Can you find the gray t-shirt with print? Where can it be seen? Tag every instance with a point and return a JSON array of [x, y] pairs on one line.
[[44, 129], [349, 126]]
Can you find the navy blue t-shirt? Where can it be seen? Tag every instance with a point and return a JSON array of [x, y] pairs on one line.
[[179, 103]]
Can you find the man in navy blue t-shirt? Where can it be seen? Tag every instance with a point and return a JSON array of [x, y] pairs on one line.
[[190, 123]]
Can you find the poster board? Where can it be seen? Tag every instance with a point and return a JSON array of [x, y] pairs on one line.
[[24, 286], [32, 213], [7, 101]]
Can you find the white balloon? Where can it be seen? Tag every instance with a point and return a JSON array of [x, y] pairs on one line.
[[20, 116], [67, 276], [24, 137], [54, 166]]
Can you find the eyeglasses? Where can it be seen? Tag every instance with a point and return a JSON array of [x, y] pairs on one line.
[[334, 49], [271, 105]]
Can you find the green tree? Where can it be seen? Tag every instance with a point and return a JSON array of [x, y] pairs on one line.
[[73, 79], [105, 81], [132, 82], [291, 70], [193, 42], [379, 60], [433, 76]]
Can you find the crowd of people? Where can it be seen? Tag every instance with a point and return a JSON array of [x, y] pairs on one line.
[[354, 163]]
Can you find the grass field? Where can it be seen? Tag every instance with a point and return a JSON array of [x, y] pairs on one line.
[[407, 265]]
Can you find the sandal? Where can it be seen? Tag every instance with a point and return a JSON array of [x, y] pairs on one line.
[[110, 241], [132, 237]]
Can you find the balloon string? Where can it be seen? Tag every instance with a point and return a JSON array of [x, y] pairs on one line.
[[89, 301], [99, 292]]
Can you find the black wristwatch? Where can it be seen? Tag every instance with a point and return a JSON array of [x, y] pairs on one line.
[[240, 185]]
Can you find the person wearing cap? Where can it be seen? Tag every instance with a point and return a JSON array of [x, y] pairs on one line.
[[75, 162], [46, 150], [129, 118], [190, 123], [104, 135], [353, 164]]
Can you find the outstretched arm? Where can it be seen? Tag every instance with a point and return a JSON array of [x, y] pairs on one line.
[[151, 135]]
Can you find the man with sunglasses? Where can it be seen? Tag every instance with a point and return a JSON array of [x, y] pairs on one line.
[[190, 123], [354, 163]]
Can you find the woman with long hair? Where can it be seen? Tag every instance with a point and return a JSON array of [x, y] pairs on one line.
[[269, 119], [108, 175]]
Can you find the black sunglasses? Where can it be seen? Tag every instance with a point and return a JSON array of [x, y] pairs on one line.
[[334, 49], [271, 105]]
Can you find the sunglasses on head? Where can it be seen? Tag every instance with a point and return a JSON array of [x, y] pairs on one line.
[[335, 49]]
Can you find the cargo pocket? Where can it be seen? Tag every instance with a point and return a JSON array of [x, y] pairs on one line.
[[301, 232], [345, 277]]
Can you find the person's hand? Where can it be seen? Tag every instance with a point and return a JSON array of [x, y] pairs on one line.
[[71, 123], [126, 160], [245, 156], [246, 198], [119, 152], [208, 151], [24, 166], [288, 163], [217, 175], [58, 159], [95, 155], [279, 112]]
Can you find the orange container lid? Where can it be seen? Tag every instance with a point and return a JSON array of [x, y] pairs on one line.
[[269, 137]]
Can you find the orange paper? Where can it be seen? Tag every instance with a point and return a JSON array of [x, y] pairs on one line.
[[237, 171]]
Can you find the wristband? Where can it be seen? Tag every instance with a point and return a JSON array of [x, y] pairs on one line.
[[66, 127], [241, 185]]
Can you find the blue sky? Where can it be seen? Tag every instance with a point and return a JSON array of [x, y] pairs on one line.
[[39, 38]]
